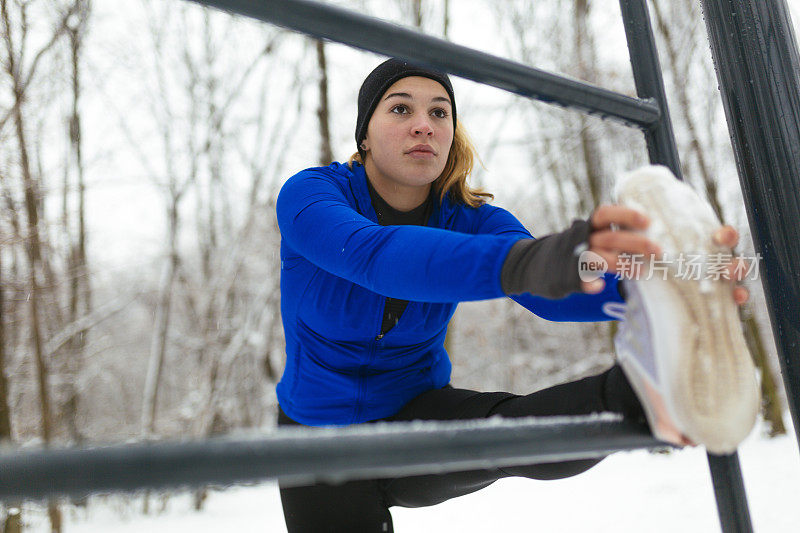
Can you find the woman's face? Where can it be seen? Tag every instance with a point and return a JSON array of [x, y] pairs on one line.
[[409, 134]]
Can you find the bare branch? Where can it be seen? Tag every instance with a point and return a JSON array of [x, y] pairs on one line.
[[11, 64], [85, 323]]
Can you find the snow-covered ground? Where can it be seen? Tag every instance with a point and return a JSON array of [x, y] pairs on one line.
[[636, 491]]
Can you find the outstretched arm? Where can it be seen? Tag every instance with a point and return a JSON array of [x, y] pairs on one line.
[[405, 262], [542, 274]]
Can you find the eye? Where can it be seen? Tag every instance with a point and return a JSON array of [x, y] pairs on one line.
[[439, 113], [400, 109]]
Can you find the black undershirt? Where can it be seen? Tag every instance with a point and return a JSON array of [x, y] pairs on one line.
[[389, 216]]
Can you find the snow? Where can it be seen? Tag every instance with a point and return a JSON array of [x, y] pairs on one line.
[[634, 491]]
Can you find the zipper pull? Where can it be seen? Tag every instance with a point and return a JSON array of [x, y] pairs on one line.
[[379, 337]]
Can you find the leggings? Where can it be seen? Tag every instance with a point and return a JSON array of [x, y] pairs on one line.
[[364, 505]]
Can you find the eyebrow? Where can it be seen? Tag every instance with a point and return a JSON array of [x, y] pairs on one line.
[[406, 95]]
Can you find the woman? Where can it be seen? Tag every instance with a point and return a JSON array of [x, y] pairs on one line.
[[375, 256]]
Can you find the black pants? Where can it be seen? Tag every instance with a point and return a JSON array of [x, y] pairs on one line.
[[364, 505]]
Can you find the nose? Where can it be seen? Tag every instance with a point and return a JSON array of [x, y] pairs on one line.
[[423, 127]]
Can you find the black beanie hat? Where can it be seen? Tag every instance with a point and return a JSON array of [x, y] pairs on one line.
[[381, 79]]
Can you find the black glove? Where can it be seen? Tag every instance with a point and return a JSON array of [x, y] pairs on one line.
[[547, 266]]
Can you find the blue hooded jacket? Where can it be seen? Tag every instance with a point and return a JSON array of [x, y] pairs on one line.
[[338, 265]]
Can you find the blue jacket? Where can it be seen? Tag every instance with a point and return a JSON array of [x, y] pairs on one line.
[[338, 265]]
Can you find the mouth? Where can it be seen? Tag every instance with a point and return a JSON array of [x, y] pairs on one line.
[[421, 151]]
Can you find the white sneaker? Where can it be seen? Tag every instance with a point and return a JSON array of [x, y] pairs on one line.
[[681, 343]]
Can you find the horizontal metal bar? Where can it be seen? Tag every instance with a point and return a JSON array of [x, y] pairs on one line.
[[299, 456], [367, 33]]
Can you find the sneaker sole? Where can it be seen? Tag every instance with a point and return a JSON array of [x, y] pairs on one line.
[[704, 368]]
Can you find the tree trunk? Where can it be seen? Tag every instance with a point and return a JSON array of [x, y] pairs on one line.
[[76, 142], [770, 401], [13, 521], [11, 335], [5, 411], [323, 114], [34, 263], [158, 346], [586, 70], [272, 323], [33, 247], [446, 22], [80, 290]]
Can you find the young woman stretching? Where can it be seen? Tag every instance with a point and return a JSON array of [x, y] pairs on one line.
[[375, 255]]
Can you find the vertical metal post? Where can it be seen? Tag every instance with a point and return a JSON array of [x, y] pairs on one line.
[[726, 473], [660, 139], [726, 476], [756, 58]]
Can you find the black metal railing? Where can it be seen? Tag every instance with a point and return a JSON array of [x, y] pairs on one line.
[[297, 456], [359, 31]]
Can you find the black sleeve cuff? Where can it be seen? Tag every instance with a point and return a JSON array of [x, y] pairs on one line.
[[548, 266]]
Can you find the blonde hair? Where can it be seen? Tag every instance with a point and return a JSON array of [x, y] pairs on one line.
[[457, 169]]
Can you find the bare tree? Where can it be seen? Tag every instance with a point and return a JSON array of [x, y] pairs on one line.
[[228, 318], [158, 344], [206, 309], [43, 315], [77, 267], [31, 195], [175, 183]]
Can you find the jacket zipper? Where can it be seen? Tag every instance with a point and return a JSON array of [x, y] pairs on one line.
[[370, 355]]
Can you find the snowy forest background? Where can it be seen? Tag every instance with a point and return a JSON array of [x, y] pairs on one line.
[[143, 144]]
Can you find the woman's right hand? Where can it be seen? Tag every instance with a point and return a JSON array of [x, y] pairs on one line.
[[615, 231]]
